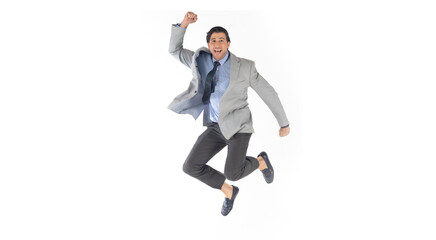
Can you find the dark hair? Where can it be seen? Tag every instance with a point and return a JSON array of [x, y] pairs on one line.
[[217, 30]]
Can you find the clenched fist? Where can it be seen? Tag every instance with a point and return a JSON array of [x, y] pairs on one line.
[[190, 17]]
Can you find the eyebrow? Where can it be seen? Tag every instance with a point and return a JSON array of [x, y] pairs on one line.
[[220, 38]]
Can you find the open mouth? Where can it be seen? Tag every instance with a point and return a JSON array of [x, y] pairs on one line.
[[217, 51]]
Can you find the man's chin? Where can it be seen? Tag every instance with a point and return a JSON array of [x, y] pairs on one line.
[[217, 57]]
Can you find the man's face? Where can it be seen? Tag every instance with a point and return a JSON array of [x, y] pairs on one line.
[[218, 45]]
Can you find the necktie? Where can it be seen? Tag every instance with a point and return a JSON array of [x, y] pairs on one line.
[[209, 87]]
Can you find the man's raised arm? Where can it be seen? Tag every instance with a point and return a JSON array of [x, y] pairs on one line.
[[176, 41]]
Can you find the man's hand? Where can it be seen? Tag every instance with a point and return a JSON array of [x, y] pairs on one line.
[[284, 131], [190, 17]]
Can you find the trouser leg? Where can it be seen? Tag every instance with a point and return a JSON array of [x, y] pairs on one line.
[[208, 144], [238, 165]]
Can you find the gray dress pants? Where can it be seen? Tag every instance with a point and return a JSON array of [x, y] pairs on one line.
[[209, 143]]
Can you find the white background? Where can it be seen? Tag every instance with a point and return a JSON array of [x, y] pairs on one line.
[[88, 149]]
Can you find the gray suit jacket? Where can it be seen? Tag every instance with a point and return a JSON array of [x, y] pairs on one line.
[[234, 114]]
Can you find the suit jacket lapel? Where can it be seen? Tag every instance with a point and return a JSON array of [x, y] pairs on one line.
[[234, 68], [234, 72]]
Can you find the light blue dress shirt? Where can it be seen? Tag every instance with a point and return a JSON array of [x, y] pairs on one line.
[[205, 63]]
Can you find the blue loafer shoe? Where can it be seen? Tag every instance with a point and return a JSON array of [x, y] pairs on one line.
[[268, 173], [228, 203]]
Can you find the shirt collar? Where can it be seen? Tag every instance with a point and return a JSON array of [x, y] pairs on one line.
[[222, 61]]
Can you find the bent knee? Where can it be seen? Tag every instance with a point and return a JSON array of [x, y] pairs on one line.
[[232, 176], [192, 170], [187, 169]]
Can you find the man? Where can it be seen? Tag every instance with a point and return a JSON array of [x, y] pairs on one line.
[[219, 90]]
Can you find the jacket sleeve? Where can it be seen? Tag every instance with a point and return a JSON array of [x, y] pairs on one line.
[[267, 93], [176, 46]]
